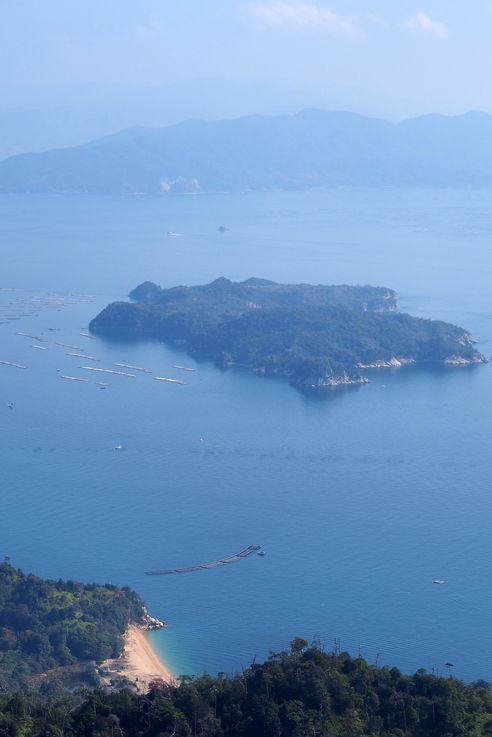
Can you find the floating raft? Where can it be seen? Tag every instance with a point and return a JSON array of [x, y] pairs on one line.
[[136, 368], [33, 337], [72, 347], [169, 380], [15, 365], [82, 355], [107, 371], [205, 566]]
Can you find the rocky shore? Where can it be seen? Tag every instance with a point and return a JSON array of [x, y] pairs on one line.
[[390, 363], [462, 361], [332, 382], [151, 623]]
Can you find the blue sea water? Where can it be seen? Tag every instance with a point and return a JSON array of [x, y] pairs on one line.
[[360, 499]]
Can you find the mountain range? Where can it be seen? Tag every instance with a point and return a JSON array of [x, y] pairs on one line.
[[58, 116], [309, 149]]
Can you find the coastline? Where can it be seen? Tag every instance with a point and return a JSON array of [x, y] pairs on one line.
[[138, 663]]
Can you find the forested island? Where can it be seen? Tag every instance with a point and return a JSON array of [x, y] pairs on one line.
[[315, 336], [52, 633]]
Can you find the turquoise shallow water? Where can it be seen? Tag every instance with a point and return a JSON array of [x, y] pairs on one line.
[[360, 499]]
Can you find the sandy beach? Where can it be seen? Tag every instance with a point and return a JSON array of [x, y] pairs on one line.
[[138, 663]]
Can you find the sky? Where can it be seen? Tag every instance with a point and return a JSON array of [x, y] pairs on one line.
[[419, 55]]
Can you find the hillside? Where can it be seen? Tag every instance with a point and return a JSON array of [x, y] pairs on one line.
[[302, 692], [310, 149], [316, 336], [54, 630]]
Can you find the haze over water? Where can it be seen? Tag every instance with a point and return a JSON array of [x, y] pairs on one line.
[[360, 499]]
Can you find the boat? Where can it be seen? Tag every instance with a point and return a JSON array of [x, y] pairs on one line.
[[261, 553], [439, 581], [118, 447]]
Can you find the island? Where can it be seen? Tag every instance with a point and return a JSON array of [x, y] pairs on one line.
[[318, 337]]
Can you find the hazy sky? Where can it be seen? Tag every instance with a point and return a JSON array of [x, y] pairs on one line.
[[436, 53]]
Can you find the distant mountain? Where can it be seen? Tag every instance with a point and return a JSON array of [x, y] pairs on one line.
[[312, 148], [34, 118]]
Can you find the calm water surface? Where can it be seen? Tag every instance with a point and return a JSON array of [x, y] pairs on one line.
[[360, 500]]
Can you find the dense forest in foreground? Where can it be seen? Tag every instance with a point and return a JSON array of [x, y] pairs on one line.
[[53, 632], [304, 692]]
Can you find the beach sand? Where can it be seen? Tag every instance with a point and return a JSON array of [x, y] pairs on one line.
[[138, 663]]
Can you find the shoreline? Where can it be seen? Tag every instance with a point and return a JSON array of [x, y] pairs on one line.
[[139, 662]]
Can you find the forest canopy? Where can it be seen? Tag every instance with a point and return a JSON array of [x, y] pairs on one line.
[[317, 336], [59, 627], [303, 692]]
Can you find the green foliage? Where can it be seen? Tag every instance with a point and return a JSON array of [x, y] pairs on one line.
[[48, 625], [301, 693], [314, 335], [51, 629]]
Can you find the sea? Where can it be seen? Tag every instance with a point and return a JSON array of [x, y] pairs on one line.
[[360, 497]]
